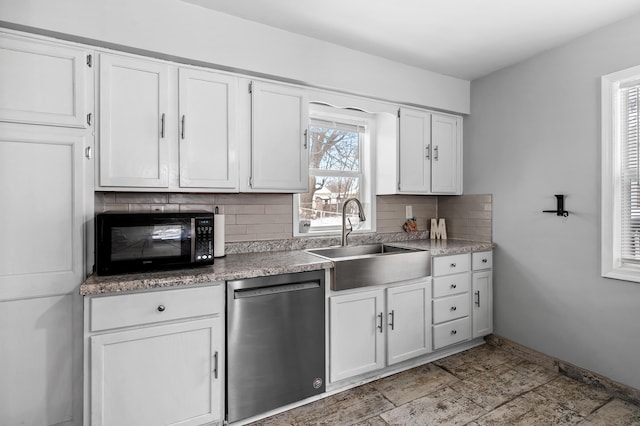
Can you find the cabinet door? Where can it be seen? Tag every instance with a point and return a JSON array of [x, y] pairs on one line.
[[356, 334], [409, 322], [482, 315], [208, 157], [445, 161], [42, 83], [279, 146], [133, 122], [42, 188], [162, 375], [415, 151]]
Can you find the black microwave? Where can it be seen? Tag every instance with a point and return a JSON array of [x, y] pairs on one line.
[[135, 242]]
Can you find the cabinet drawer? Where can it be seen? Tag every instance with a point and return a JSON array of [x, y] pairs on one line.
[[446, 265], [451, 332], [451, 284], [450, 308], [126, 310], [482, 260]]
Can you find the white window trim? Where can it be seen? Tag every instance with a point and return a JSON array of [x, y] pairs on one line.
[[367, 170], [611, 265]]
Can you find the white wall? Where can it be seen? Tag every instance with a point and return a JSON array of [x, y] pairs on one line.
[[172, 27], [534, 131]]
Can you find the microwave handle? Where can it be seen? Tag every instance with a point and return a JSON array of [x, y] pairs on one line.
[[193, 240]]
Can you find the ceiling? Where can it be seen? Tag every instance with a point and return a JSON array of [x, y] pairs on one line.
[[461, 38]]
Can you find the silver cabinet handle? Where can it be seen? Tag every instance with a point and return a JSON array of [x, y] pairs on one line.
[[453, 265], [453, 308], [454, 332], [453, 286], [162, 308], [484, 260], [162, 125], [478, 301], [392, 314], [435, 153], [380, 325], [215, 365], [305, 138], [184, 118], [428, 149]]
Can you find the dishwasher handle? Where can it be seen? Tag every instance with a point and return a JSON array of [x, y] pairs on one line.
[[274, 289]]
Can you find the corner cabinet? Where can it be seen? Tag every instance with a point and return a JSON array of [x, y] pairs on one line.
[[279, 145], [155, 358], [166, 127], [373, 328], [428, 155]]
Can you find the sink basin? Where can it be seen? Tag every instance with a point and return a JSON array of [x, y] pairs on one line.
[[374, 264]]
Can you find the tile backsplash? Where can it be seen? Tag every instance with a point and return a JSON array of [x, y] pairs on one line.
[[256, 217], [468, 217]]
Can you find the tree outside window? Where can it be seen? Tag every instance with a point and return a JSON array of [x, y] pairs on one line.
[[335, 173]]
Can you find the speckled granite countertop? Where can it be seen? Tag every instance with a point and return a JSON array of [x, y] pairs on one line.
[[446, 247], [249, 265]]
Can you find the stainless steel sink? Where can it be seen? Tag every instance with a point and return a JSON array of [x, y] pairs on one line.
[[374, 264]]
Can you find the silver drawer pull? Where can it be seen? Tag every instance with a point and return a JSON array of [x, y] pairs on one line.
[[484, 260], [161, 308], [453, 308], [453, 286], [453, 332], [453, 265]]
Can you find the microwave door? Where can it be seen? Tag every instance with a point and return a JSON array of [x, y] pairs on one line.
[[148, 242]]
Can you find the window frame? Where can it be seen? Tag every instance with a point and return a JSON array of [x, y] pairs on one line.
[[612, 185], [328, 113]]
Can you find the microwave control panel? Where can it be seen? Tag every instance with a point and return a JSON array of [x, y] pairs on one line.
[[203, 240]]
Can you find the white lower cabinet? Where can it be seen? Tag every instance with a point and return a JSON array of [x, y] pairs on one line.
[[408, 320], [451, 300], [156, 369], [356, 327], [364, 323], [482, 293]]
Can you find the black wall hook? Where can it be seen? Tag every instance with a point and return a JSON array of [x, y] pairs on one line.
[[560, 211]]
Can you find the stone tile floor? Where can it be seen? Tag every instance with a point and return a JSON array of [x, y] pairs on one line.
[[481, 386]]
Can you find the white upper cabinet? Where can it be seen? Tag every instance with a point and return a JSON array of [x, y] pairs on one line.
[[166, 127], [279, 146], [134, 101], [446, 165], [414, 151], [43, 83], [207, 130], [427, 158]]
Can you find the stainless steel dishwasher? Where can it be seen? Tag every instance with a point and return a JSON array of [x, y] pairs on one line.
[[275, 342]]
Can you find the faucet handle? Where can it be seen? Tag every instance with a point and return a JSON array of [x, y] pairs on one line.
[[350, 228]]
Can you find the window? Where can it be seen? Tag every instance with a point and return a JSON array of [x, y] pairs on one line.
[[621, 175], [340, 152]]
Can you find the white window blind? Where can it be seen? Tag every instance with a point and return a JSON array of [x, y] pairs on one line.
[[630, 174]]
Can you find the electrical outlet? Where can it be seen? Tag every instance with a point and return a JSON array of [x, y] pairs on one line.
[[409, 211]]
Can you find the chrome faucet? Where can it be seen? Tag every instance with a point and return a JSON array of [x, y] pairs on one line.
[[344, 219]]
